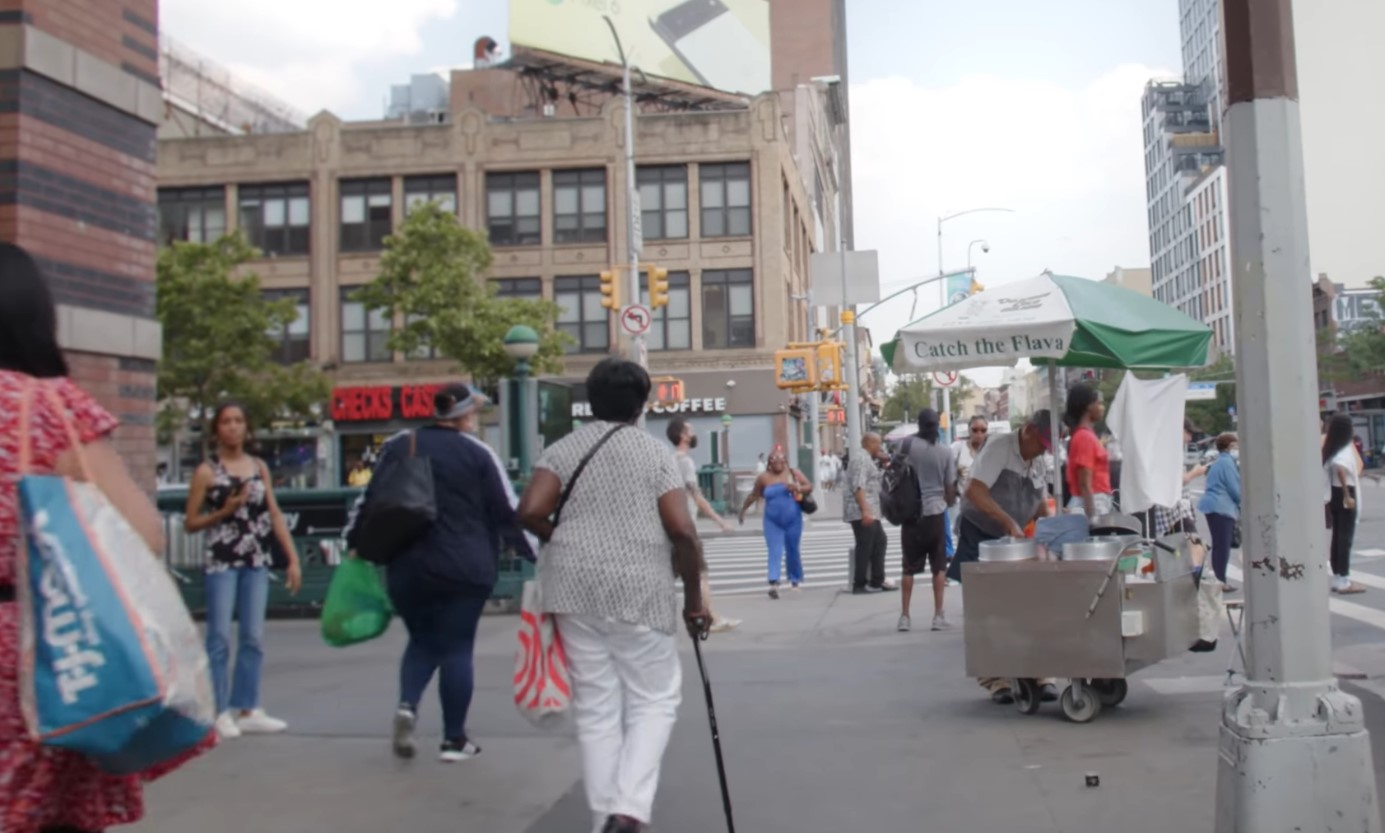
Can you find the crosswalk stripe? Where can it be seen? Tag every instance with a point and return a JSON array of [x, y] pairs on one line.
[[738, 564]]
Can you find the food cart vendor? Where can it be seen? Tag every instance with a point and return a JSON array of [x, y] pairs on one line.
[[1008, 487]]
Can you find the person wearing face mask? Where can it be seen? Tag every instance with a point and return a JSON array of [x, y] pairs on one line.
[[684, 439], [1221, 503]]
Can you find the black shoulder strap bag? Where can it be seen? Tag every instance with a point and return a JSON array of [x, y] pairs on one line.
[[581, 465]]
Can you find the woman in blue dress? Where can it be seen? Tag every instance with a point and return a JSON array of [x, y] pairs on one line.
[[782, 489]]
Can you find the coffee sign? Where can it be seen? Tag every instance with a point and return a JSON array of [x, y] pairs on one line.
[[583, 410]]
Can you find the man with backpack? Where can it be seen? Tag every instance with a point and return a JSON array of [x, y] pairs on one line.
[[923, 536]]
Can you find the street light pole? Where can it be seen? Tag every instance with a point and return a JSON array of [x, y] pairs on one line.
[[942, 297], [814, 441], [636, 349], [521, 344], [1294, 750]]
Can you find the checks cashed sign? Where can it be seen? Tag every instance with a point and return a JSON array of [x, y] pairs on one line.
[[1026, 319]]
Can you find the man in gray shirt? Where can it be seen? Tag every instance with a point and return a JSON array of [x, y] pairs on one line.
[[924, 539]]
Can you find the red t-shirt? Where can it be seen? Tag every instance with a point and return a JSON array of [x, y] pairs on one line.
[[1085, 451]]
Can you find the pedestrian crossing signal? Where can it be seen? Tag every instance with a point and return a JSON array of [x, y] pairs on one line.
[[668, 391], [796, 368]]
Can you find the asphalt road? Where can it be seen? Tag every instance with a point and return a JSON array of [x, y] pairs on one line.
[[830, 720]]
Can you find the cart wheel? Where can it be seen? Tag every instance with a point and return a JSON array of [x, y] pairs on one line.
[[1111, 692], [1027, 696], [1080, 703]]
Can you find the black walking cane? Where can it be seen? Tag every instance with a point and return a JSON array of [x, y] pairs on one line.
[[716, 733]]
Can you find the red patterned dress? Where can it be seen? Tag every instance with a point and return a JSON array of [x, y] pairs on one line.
[[39, 786]]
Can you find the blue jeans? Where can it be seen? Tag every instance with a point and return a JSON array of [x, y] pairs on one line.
[[1222, 528], [442, 639], [244, 593]]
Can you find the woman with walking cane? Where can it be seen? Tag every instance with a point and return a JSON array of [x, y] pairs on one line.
[[610, 506]]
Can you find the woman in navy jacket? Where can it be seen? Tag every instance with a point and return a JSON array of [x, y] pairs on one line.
[[440, 583]]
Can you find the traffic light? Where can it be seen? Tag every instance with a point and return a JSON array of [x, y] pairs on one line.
[[658, 287], [610, 289], [830, 365], [796, 368], [975, 287]]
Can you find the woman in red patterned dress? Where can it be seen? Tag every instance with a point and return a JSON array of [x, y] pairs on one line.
[[42, 789]]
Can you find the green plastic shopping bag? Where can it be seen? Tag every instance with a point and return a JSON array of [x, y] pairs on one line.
[[357, 608]]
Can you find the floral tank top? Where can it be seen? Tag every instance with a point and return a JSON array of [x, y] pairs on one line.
[[246, 538]]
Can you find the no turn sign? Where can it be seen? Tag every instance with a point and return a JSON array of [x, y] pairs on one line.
[[635, 319], [945, 378]]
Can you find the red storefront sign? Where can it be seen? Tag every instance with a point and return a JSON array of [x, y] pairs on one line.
[[383, 403]]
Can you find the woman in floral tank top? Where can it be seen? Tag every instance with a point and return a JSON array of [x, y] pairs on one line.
[[232, 500]]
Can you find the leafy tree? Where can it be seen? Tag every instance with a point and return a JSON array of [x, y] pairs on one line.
[[218, 342], [1363, 345], [910, 393], [431, 275]]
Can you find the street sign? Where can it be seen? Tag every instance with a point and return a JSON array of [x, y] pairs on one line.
[[635, 319], [1201, 391], [945, 378]]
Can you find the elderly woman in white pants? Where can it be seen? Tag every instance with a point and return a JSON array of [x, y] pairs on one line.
[[611, 508]]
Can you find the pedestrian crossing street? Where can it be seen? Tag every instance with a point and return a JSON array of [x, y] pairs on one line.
[[738, 564]]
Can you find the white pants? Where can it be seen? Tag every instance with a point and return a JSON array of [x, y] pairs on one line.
[[626, 684]]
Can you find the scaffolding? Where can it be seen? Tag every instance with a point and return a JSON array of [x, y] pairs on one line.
[[210, 93]]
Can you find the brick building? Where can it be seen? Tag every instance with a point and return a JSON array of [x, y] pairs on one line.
[[79, 106]]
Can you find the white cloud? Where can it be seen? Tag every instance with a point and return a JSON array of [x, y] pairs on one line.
[[1068, 161], [307, 52]]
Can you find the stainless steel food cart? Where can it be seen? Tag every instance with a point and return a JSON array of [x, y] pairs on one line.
[[1084, 621]]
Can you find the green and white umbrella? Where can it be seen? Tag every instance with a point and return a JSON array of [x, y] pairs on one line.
[[1052, 319]]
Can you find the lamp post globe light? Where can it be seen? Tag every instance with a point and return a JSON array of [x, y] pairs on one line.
[[521, 343]]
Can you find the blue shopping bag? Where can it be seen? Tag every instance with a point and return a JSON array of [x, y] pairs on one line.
[[112, 665]]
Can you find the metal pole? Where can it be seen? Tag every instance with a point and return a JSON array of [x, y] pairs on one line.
[[814, 405], [1294, 750], [635, 347], [853, 369], [521, 403], [1054, 431]]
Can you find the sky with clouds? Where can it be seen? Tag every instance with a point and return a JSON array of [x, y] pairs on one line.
[[1029, 106]]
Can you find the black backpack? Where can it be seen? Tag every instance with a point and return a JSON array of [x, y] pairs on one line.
[[900, 498], [403, 505]]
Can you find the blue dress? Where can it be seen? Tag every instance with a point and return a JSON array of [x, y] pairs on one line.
[[783, 532]]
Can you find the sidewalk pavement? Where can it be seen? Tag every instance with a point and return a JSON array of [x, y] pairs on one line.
[[830, 720]]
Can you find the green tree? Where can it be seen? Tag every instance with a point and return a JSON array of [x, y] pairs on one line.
[[910, 393], [431, 274], [218, 340], [1363, 345]]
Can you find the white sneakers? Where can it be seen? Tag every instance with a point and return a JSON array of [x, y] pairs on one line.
[[231, 725], [226, 727]]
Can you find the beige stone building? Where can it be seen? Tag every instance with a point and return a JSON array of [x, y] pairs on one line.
[[726, 208]]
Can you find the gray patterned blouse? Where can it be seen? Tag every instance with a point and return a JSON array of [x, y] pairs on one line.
[[610, 557]]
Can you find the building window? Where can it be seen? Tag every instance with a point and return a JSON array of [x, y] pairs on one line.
[[512, 209], [728, 309], [276, 217], [294, 344], [197, 215], [440, 189], [366, 216], [663, 202], [579, 206], [422, 351], [581, 315], [672, 325], [725, 199], [364, 336], [526, 288]]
